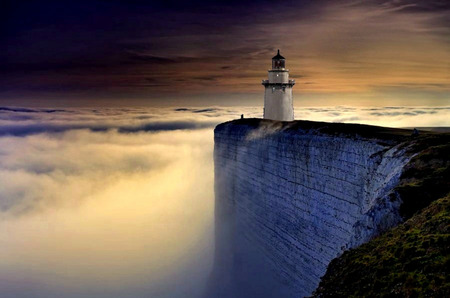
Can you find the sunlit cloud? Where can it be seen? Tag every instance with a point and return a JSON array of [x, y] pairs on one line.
[[17, 121], [124, 196], [62, 148], [128, 213]]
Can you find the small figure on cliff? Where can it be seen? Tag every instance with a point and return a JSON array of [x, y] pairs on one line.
[[415, 132], [242, 116]]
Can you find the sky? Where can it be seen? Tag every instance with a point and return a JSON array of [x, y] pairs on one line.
[[102, 53]]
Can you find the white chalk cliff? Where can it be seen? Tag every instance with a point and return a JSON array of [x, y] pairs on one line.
[[292, 197]]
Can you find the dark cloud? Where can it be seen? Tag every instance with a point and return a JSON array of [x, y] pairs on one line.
[[24, 130], [26, 110], [123, 48], [334, 114], [198, 111], [153, 59], [22, 110], [18, 121], [207, 78], [418, 6], [206, 110], [163, 126], [407, 113]]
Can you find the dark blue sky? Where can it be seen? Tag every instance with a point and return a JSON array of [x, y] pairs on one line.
[[153, 50]]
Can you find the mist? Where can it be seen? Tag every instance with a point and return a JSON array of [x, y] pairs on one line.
[[115, 202]]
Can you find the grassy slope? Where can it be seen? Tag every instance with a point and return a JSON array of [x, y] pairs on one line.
[[427, 176], [411, 260]]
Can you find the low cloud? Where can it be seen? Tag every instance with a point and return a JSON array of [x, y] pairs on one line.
[[26, 110], [124, 196], [175, 125], [24, 121], [33, 141], [24, 130], [405, 113], [19, 121], [382, 116], [137, 208]]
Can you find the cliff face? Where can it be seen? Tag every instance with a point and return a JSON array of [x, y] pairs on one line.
[[290, 197], [411, 260]]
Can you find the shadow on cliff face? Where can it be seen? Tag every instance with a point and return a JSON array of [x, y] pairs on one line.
[[241, 268], [245, 273]]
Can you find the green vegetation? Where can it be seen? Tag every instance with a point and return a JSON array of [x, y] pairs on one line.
[[427, 176], [413, 259]]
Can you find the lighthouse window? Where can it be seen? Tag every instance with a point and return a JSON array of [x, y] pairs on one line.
[[277, 75]]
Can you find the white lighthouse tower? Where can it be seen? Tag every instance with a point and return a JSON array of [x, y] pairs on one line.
[[278, 103]]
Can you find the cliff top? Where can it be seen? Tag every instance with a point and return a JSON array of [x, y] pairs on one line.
[[395, 135]]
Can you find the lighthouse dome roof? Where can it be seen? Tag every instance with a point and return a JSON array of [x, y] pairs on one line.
[[278, 56]]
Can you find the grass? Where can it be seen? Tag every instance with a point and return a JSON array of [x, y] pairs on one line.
[[411, 260], [427, 175]]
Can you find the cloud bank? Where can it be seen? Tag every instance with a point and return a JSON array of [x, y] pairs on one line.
[[122, 211], [47, 146], [119, 202]]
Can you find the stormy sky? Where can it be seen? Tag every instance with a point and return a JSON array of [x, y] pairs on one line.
[[97, 52]]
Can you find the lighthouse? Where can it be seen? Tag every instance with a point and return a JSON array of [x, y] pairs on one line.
[[278, 103]]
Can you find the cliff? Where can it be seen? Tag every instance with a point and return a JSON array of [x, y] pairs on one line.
[[411, 260], [292, 196]]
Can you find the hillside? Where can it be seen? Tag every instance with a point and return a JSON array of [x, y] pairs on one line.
[[411, 260]]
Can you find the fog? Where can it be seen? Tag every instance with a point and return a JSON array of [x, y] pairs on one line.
[[120, 202], [106, 214]]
